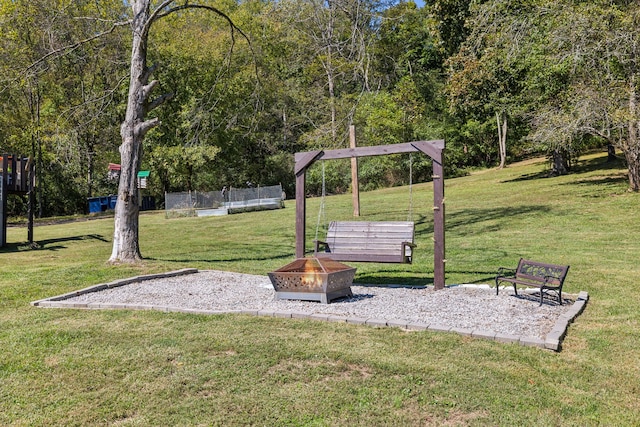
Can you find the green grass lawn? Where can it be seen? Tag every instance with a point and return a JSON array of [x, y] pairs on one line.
[[74, 367]]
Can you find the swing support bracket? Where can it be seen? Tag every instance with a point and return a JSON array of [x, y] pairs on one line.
[[434, 149]]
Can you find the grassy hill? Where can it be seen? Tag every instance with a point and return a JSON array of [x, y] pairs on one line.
[[71, 367]]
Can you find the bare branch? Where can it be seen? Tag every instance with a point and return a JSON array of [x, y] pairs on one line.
[[144, 127], [146, 89], [77, 44], [159, 13], [159, 101]]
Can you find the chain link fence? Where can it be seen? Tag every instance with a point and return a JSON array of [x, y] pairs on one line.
[[235, 200]]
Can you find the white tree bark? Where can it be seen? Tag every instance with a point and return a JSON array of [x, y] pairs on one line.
[[132, 131], [135, 126], [502, 139]]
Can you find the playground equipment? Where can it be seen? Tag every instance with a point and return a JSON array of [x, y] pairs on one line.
[[17, 176]]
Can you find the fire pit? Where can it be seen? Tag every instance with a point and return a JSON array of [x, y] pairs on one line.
[[313, 279]]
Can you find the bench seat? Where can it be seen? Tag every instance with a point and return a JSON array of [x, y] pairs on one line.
[[361, 241], [546, 277]]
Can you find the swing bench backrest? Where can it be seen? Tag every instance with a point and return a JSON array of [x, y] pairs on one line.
[[390, 241]]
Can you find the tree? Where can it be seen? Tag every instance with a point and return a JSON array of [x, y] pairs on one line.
[[571, 70], [485, 82], [598, 44], [137, 122], [54, 92], [335, 37]]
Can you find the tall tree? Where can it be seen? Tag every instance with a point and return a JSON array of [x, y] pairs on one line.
[[485, 82], [597, 44], [338, 35], [137, 121]]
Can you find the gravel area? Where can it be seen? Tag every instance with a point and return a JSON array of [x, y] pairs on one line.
[[466, 306]]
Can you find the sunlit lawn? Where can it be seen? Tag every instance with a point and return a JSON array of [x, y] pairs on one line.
[[71, 367]]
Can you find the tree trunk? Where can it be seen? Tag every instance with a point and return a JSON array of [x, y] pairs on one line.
[[135, 125], [611, 153], [632, 146], [502, 139], [132, 131], [559, 162]]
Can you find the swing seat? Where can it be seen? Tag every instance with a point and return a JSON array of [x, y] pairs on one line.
[[386, 241]]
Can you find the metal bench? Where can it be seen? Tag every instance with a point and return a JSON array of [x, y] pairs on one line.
[[387, 241], [546, 277]]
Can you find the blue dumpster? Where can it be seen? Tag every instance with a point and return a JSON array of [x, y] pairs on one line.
[[94, 205]]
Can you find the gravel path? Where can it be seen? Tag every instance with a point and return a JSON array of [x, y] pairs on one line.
[[466, 307]]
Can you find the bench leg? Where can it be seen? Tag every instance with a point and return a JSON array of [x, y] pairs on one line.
[[515, 290], [560, 296]]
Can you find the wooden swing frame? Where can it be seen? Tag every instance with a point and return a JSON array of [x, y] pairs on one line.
[[433, 149]]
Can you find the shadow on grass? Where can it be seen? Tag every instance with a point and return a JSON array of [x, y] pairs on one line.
[[486, 277], [583, 166], [478, 215], [248, 258], [50, 244]]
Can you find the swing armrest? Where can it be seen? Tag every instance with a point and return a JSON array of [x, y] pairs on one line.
[[406, 245], [318, 244]]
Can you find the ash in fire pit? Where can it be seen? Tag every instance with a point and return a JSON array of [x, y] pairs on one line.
[[313, 279]]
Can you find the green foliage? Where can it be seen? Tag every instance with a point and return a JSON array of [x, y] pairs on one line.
[[561, 72]]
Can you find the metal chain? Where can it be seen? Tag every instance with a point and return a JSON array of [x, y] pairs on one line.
[[410, 215], [321, 214]]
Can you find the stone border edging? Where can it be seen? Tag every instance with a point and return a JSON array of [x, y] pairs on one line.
[[553, 340]]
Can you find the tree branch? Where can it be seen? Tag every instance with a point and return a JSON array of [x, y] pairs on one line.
[[77, 44], [160, 13], [144, 127], [159, 101], [146, 89]]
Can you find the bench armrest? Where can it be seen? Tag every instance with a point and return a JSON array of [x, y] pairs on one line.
[[407, 254], [318, 244], [506, 272]]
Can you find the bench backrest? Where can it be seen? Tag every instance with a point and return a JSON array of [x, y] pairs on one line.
[[369, 237], [537, 271]]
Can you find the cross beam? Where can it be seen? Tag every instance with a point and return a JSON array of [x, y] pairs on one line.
[[433, 149]]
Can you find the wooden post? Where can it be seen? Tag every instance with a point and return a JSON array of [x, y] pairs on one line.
[[303, 162], [3, 204], [31, 186], [301, 213], [438, 225], [355, 185]]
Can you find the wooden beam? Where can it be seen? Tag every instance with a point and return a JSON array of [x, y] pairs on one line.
[[304, 160], [378, 150], [432, 149]]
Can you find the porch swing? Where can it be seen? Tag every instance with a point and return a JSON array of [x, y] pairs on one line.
[[367, 241], [433, 149]]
